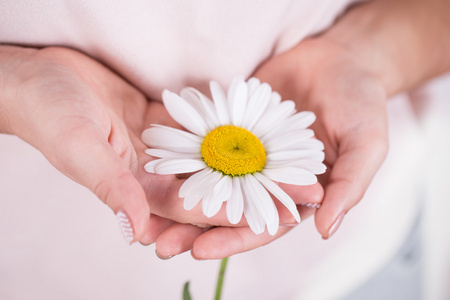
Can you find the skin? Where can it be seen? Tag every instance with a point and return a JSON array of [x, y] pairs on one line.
[[72, 109], [350, 104], [87, 120], [345, 76]]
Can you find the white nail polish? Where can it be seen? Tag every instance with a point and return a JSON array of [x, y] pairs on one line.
[[125, 226], [311, 205]]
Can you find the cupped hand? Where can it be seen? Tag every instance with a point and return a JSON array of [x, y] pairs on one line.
[[350, 104], [84, 119]]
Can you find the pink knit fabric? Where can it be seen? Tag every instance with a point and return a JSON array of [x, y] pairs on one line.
[[60, 242], [169, 44]]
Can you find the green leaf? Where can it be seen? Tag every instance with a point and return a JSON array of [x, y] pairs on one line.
[[186, 294]]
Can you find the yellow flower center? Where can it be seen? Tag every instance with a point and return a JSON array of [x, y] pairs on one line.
[[234, 151]]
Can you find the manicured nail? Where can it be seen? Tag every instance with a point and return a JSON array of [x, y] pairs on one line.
[[204, 226], [289, 221], [335, 225], [163, 257], [125, 227], [289, 224], [311, 205]]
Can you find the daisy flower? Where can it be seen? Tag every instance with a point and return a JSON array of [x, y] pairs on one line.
[[239, 146]]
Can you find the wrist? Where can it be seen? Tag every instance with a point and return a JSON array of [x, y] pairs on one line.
[[357, 32], [13, 65], [392, 40]]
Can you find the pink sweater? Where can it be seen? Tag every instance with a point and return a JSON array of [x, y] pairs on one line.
[[59, 241], [169, 44]]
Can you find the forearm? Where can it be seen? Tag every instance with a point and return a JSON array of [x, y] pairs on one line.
[[402, 42]]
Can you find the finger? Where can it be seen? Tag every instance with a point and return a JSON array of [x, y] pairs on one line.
[[86, 156], [309, 195], [156, 227], [221, 242], [178, 238], [349, 178]]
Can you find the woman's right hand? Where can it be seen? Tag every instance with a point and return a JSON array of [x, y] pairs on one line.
[[73, 110]]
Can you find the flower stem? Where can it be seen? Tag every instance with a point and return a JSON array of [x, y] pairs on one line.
[[223, 266]]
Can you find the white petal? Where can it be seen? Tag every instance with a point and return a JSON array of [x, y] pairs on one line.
[[312, 144], [191, 200], [292, 155], [284, 141], [194, 188], [254, 219], [272, 226], [168, 138], [150, 166], [203, 105], [278, 193], [275, 99], [192, 98], [308, 144], [273, 117], [291, 175], [253, 83], [194, 182], [264, 204], [170, 154], [220, 102], [256, 105], [237, 80], [237, 100], [223, 188], [210, 204], [235, 205], [304, 119], [178, 166], [296, 122], [313, 166], [182, 112]]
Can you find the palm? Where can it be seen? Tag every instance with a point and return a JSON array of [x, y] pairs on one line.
[[351, 117]]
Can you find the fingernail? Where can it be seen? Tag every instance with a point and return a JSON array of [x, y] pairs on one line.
[[335, 225], [125, 227], [289, 224], [289, 221], [201, 225], [311, 205], [163, 257]]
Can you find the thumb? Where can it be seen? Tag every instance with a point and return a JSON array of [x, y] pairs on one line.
[[349, 178], [89, 159]]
